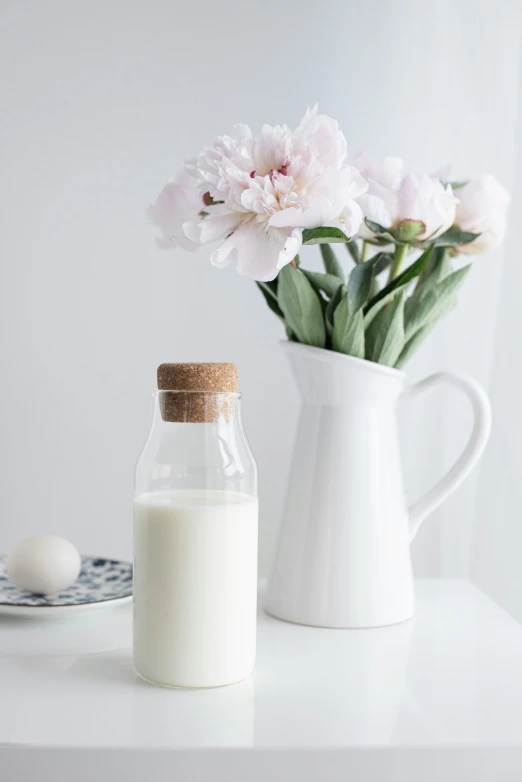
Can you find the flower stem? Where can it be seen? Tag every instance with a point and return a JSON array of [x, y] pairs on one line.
[[401, 250], [365, 251]]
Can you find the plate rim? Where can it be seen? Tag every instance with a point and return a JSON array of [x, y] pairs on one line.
[[83, 602]]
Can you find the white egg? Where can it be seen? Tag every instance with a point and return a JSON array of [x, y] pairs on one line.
[[44, 564]]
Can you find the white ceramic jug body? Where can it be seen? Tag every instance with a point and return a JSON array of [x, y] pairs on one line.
[[344, 551]]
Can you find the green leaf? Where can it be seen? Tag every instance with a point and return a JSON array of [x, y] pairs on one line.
[[324, 236], [331, 264], [444, 266], [453, 236], [375, 288], [385, 335], [332, 305], [455, 185], [427, 309], [348, 331], [269, 289], [374, 227], [382, 234], [327, 283], [412, 344], [301, 307], [381, 241], [359, 285], [420, 310], [353, 249], [362, 277], [408, 230], [425, 306], [270, 295], [371, 314], [438, 267], [407, 275], [381, 262]]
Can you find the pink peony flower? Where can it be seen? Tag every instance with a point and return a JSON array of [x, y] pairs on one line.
[[265, 190]]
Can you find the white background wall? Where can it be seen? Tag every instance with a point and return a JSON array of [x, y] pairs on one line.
[[99, 102]]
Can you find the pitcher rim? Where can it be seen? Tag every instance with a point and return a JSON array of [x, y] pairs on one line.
[[332, 357]]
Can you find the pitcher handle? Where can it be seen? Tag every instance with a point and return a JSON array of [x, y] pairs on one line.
[[472, 452]]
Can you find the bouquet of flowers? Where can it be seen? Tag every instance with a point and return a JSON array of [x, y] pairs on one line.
[[262, 198]]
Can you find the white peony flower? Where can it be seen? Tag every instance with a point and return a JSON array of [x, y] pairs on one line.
[[482, 209], [419, 197], [387, 173], [381, 176], [266, 190], [177, 206]]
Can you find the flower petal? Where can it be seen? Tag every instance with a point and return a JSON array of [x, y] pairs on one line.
[[179, 201], [421, 197], [256, 252], [387, 174], [217, 225], [292, 246], [350, 220], [482, 209], [321, 133]]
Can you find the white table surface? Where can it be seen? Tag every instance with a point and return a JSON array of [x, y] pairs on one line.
[[437, 697]]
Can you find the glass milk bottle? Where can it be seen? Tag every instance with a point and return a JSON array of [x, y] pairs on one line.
[[195, 533]]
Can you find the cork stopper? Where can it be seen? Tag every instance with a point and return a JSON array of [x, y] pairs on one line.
[[197, 387]]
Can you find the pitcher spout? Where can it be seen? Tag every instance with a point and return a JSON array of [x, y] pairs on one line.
[[326, 377]]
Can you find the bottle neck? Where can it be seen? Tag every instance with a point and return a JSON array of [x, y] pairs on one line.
[[198, 407], [205, 447]]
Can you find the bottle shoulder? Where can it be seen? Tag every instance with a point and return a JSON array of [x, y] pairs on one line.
[[193, 456]]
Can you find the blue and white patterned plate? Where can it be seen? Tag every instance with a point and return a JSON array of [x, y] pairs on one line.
[[101, 583]]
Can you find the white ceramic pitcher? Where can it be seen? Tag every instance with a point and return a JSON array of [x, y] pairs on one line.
[[344, 549]]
